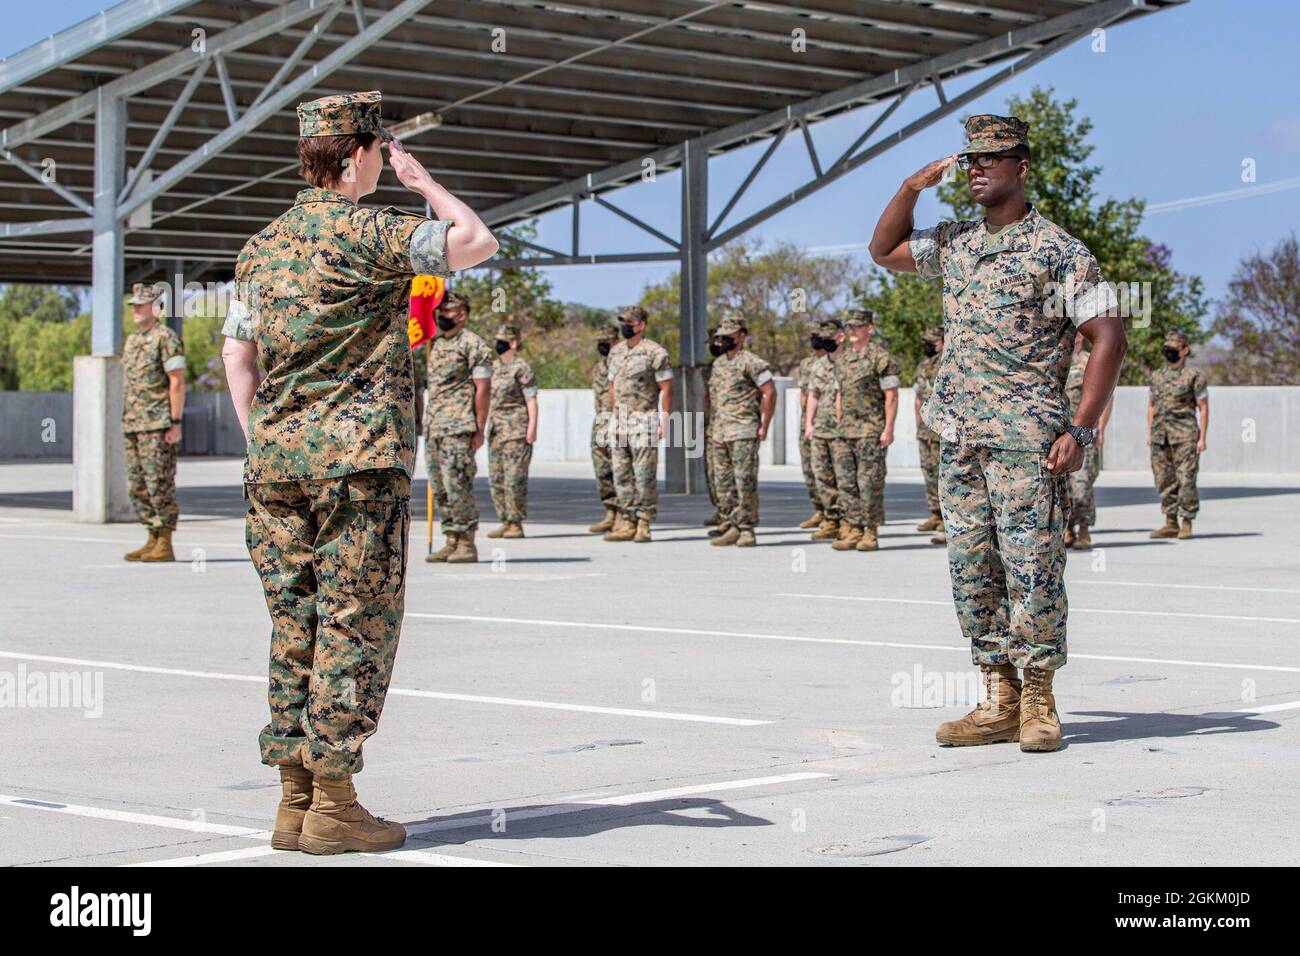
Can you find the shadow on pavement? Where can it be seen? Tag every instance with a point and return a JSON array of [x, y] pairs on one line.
[[1135, 726]]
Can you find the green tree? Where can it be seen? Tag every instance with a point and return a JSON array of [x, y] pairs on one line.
[[44, 305], [1260, 319], [44, 352], [905, 305]]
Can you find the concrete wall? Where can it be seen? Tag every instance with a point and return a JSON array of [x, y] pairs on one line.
[[1252, 430]]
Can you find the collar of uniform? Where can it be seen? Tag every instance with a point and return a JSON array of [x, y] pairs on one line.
[[1015, 238], [321, 195]]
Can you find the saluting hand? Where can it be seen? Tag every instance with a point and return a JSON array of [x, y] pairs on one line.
[[410, 173], [929, 174]]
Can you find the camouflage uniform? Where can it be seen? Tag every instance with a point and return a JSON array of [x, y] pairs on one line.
[[927, 441], [735, 410], [454, 362], [323, 291], [601, 462], [509, 451], [804, 374], [711, 463], [1175, 390], [865, 375], [147, 358], [1081, 506], [998, 404], [635, 374], [824, 383]]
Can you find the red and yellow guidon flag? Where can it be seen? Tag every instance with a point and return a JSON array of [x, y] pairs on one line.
[[426, 293]]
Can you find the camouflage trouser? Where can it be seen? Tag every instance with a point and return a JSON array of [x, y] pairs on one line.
[[151, 479], [736, 464], [508, 461], [1175, 465], [602, 464], [809, 476], [823, 456], [711, 466], [636, 461], [331, 553], [1005, 519], [860, 479], [451, 464], [1081, 508], [928, 446]]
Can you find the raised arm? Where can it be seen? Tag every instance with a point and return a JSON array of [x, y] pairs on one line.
[[888, 245], [469, 241]]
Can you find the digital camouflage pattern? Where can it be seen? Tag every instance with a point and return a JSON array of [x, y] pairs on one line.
[[1174, 465], [1081, 500], [986, 133], [736, 474], [823, 383], [735, 395], [1004, 515], [509, 453], [710, 458], [324, 292], [340, 115], [147, 358], [454, 361], [927, 440], [804, 372], [864, 376], [859, 465], [1011, 303], [151, 479], [331, 554], [1175, 390], [601, 462], [451, 466], [634, 377]]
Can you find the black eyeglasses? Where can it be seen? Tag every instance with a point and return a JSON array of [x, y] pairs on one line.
[[982, 160]]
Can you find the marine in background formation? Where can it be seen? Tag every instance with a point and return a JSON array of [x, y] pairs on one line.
[[602, 462], [1178, 420], [821, 427], [1081, 511], [512, 431], [804, 372], [927, 440]]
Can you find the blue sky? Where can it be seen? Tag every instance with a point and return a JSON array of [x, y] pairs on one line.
[[1179, 100]]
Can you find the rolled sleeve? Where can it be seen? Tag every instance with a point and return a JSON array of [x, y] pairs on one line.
[[429, 247], [1200, 388], [763, 377], [481, 371], [924, 245], [174, 364], [239, 322], [530, 391], [888, 382], [664, 375], [1091, 295]]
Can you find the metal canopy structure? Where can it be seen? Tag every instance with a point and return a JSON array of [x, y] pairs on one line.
[[155, 138]]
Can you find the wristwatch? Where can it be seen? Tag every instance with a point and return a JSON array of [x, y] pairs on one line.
[[176, 421], [1083, 434]]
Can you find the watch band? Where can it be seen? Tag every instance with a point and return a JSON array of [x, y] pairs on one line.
[[1079, 431]]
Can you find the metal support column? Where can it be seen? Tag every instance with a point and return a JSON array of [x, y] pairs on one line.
[[175, 298], [108, 266], [684, 468]]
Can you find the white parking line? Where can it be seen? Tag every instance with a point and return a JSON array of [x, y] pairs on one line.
[[1073, 610], [409, 692], [572, 805], [197, 824], [423, 857], [798, 638], [1269, 708], [1193, 587]]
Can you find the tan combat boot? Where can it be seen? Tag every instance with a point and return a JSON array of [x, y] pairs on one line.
[[443, 553], [721, 529], [513, 530], [849, 537], [1185, 531], [1082, 539], [606, 523], [1068, 535], [642, 533], [996, 720], [932, 523], [1040, 727], [499, 531], [624, 530], [138, 553], [868, 541], [814, 522], [295, 800], [746, 540], [939, 538], [728, 537], [1169, 530], [162, 548], [829, 530], [466, 552], [336, 823], [713, 520]]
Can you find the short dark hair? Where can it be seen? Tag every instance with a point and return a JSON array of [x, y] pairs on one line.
[[1021, 152], [322, 160]]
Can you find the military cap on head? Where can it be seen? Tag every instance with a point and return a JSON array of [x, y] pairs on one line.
[[830, 326], [142, 294], [934, 333], [1175, 338], [730, 326], [633, 312], [340, 115], [454, 301], [508, 331], [608, 333], [859, 317], [987, 133]]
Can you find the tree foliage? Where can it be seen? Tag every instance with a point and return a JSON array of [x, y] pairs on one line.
[[1260, 319]]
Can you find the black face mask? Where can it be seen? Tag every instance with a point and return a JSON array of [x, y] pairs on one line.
[[627, 330], [502, 347], [816, 342], [830, 345], [445, 324], [721, 347], [1173, 355], [602, 348], [929, 348]]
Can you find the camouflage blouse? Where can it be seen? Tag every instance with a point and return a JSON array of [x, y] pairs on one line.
[[512, 383], [453, 364], [923, 385], [147, 357], [734, 395], [1074, 380], [324, 292], [635, 374], [1175, 390], [824, 383], [865, 375]]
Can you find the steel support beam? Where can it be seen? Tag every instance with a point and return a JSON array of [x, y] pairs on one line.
[[109, 226], [684, 466]]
